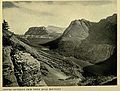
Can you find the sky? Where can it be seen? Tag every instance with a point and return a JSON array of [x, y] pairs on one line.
[[21, 15]]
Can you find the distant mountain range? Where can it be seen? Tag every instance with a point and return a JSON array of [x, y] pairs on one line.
[[44, 30]]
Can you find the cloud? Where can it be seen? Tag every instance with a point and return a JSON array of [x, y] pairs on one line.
[[85, 2], [92, 2], [96, 3], [81, 2], [9, 5], [23, 1], [29, 10]]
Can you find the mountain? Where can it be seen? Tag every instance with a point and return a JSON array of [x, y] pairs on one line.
[[44, 30], [88, 40], [78, 29], [93, 42], [36, 31], [101, 42]]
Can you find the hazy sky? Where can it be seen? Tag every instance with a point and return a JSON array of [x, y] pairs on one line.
[[22, 15]]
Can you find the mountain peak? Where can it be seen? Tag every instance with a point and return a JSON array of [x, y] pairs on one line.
[[77, 29], [75, 22], [84, 20]]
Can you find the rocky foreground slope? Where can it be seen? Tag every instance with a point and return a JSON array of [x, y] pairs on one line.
[[25, 66]]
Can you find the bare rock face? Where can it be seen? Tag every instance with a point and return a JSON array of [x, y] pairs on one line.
[[9, 78], [27, 70]]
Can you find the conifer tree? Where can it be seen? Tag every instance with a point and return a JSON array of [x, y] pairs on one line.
[[5, 25]]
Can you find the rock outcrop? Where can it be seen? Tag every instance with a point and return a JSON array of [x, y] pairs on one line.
[[9, 79], [27, 69]]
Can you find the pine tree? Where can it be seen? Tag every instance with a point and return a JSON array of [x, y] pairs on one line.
[[5, 25]]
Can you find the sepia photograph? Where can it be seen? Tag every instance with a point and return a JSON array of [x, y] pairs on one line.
[[59, 43]]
